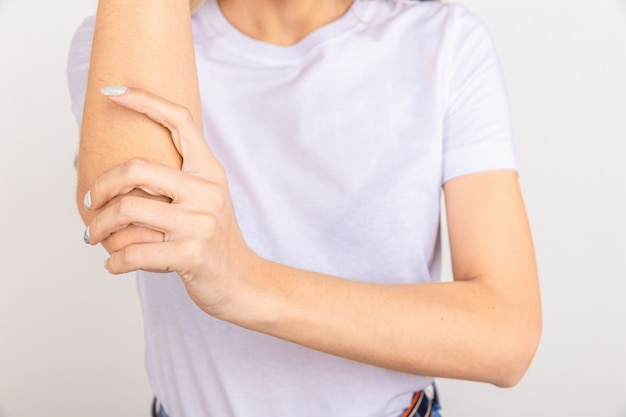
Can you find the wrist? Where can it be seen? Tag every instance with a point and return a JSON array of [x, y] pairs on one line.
[[255, 299]]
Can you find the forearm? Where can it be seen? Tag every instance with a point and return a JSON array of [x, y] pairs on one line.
[[136, 43], [464, 329]]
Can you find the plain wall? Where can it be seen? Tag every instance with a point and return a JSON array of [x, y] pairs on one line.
[[71, 335]]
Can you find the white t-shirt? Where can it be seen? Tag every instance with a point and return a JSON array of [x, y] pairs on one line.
[[336, 150]]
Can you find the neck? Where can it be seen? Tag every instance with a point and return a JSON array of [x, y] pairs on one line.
[[282, 22]]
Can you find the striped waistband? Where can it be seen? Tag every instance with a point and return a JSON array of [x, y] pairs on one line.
[[424, 404]]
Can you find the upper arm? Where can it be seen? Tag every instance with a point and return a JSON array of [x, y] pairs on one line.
[[488, 228]]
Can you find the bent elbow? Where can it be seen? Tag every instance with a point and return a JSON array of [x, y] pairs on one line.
[[519, 357], [512, 375]]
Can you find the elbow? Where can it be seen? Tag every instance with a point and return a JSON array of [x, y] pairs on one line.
[[517, 355], [511, 375]]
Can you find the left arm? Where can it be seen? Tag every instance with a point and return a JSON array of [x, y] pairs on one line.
[[483, 326]]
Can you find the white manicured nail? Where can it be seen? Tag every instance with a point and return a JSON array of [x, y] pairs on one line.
[[106, 264], [87, 235], [114, 90], [87, 201]]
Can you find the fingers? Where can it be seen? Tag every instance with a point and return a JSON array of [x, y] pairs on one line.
[[160, 181], [127, 211], [174, 222], [131, 235], [151, 257], [154, 179], [186, 134], [180, 257]]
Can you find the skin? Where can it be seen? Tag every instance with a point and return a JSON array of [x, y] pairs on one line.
[[282, 22], [484, 326]]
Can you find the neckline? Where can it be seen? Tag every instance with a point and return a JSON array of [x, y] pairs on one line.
[[211, 13]]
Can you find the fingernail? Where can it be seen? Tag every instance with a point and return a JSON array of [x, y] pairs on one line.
[[87, 201], [106, 264], [114, 90], [87, 235]]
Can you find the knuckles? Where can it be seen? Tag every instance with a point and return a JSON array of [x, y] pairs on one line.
[[219, 174], [195, 256], [212, 196], [206, 225], [127, 208], [218, 198], [136, 167], [182, 116], [129, 257]]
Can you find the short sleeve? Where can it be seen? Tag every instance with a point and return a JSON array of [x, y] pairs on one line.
[[477, 125], [78, 66]]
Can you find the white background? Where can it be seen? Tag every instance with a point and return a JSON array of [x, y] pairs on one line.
[[71, 335]]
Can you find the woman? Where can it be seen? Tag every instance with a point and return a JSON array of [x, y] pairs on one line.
[[330, 129]]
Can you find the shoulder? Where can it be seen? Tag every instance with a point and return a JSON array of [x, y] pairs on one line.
[[448, 22], [425, 10], [467, 26]]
